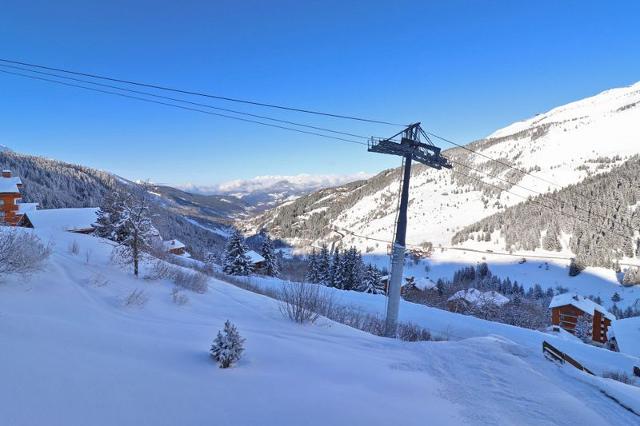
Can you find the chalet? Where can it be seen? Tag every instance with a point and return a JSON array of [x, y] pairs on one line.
[[80, 220], [11, 207], [567, 308], [175, 247], [256, 260], [624, 336], [463, 300]]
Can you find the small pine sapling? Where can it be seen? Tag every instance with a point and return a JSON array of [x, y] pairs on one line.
[[228, 347]]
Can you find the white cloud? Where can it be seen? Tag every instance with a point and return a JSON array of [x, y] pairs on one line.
[[296, 183]]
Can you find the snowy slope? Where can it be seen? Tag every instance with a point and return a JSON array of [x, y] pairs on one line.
[[563, 146], [73, 355]]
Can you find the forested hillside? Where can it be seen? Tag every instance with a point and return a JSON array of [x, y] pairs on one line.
[[599, 215], [56, 184]]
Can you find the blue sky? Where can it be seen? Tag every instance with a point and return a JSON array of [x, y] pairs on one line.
[[463, 68]]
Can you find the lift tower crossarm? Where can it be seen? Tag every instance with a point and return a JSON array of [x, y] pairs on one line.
[[412, 149]]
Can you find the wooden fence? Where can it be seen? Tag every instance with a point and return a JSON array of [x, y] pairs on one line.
[[555, 354]]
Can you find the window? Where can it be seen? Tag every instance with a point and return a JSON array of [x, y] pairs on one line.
[[1, 202]]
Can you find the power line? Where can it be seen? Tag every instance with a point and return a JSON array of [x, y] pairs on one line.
[[589, 212], [187, 102], [185, 107], [207, 95], [517, 195], [523, 172], [544, 205]]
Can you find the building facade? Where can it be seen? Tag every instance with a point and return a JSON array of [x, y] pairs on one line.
[[10, 198]]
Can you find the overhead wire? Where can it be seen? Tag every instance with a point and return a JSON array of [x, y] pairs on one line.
[[523, 172], [199, 104], [589, 212], [425, 133], [203, 94], [184, 107]]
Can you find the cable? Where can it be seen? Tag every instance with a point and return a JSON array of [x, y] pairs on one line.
[[513, 168], [188, 92], [544, 205], [186, 101], [185, 107], [589, 212]]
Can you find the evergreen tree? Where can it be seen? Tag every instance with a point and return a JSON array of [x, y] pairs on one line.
[[335, 270], [352, 269], [313, 275], [228, 347], [584, 327], [551, 240], [324, 265], [109, 216], [271, 263], [616, 297], [372, 281], [236, 261], [631, 276], [575, 267]]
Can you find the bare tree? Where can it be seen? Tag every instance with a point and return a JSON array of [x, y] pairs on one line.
[[137, 234], [21, 252]]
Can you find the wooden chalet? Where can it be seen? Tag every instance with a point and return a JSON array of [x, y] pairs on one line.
[[567, 308], [257, 261], [11, 207], [175, 247]]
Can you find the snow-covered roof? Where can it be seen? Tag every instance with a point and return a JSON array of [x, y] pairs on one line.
[[63, 219], [424, 283], [477, 297], [254, 257], [9, 185], [627, 334], [173, 245], [26, 207], [585, 305]]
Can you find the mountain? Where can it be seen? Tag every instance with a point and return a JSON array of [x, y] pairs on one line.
[[596, 220], [201, 222], [263, 192], [560, 147]]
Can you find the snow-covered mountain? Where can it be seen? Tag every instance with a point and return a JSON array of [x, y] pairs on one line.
[[263, 192], [561, 147]]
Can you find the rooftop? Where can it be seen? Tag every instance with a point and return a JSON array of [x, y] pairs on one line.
[[63, 219], [254, 257], [9, 185], [585, 305], [627, 334]]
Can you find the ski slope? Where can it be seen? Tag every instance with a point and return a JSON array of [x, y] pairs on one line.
[[72, 354]]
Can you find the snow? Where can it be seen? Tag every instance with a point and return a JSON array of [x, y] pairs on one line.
[[173, 245], [578, 133], [254, 257], [585, 305], [627, 334], [477, 297], [70, 219], [9, 185], [27, 207], [72, 354]]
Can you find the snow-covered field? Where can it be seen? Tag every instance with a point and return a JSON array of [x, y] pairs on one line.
[[548, 269], [72, 354]]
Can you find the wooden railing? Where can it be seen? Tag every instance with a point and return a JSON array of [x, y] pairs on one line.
[[557, 355]]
